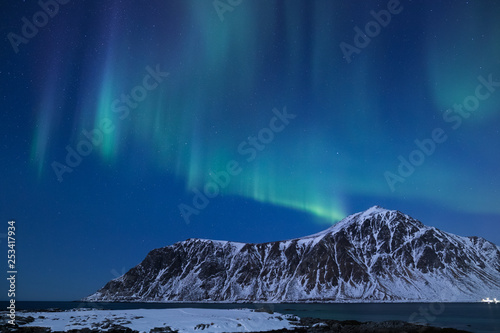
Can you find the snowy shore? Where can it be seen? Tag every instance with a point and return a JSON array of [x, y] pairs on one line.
[[145, 320], [193, 320]]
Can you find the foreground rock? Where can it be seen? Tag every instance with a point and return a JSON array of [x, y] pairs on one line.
[[315, 325]]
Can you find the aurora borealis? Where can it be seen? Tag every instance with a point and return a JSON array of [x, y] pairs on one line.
[[165, 94]]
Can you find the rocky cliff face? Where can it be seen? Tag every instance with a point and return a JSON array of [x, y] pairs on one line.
[[376, 255]]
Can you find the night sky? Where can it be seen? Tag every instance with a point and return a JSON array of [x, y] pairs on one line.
[[131, 125]]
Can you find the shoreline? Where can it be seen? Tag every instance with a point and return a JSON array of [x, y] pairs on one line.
[[257, 320], [350, 301]]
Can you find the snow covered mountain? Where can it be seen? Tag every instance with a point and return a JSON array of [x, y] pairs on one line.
[[376, 255]]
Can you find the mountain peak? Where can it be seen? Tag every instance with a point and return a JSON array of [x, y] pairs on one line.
[[361, 216], [376, 209], [374, 255], [372, 211]]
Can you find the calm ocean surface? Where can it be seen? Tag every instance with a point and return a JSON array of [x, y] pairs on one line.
[[474, 317]]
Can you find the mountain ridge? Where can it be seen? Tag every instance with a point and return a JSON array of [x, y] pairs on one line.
[[375, 255]]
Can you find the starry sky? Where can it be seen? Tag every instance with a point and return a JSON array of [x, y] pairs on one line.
[[131, 125]]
